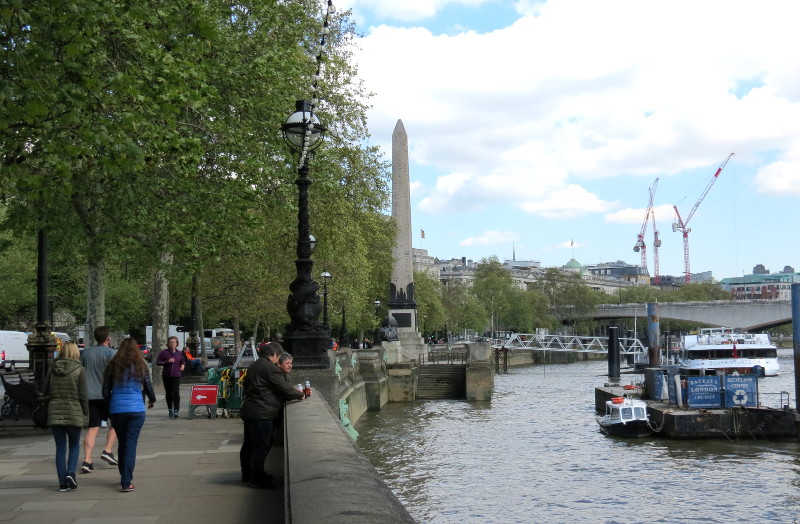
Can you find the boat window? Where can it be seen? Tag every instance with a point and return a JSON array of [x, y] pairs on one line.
[[640, 412], [627, 413], [615, 415]]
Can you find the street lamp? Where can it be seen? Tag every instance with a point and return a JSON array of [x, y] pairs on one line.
[[325, 278], [305, 337]]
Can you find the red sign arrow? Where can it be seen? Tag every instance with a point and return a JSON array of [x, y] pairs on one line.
[[204, 395]]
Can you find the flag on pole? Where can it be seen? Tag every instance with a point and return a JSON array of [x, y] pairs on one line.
[[422, 232]]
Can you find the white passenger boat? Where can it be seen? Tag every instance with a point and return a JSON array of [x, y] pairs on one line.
[[721, 349], [625, 417]]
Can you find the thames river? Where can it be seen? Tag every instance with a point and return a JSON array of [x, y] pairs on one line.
[[535, 454]]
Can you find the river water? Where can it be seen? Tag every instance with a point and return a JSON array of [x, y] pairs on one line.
[[535, 454]]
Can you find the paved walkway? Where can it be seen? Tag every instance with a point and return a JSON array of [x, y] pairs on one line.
[[186, 471]]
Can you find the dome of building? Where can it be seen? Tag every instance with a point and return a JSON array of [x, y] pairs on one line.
[[573, 265]]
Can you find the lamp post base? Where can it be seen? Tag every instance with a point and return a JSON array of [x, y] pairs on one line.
[[310, 350]]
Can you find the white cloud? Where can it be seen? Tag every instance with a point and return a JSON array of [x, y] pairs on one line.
[[528, 114], [571, 201], [490, 238], [630, 215]]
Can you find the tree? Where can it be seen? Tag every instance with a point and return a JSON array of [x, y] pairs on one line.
[[492, 286], [430, 309], [464, 310], [569, 296]]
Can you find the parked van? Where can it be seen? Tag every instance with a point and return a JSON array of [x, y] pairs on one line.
[[13, 351]]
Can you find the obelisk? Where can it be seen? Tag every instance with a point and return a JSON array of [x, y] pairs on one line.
[[402, 305]]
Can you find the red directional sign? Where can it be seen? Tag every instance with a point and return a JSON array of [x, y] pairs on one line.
[[204, 395]]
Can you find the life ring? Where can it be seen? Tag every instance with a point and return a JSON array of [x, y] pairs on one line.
[[629, 386], [617, 400]]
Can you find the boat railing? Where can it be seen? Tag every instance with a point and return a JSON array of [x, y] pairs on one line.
[[774, 400]]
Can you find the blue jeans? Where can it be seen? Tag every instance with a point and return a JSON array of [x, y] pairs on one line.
[[128, 426], [66, 464], [255, 447]]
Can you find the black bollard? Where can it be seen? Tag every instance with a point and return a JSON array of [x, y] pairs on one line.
[[613, 354]]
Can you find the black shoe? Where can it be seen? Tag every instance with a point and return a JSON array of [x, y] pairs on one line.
[[87, 467], [109, 457], [63, 487], [71, 484]]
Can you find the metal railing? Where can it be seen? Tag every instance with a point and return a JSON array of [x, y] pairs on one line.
[[441, 354], [627, 346]]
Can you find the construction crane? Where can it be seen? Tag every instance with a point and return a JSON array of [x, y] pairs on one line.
[[682, 225], [640, 246], [656, 240]]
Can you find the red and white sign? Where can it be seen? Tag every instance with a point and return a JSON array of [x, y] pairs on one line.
[[204, 395]]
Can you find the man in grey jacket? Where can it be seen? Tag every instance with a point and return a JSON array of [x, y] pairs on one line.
[[95, 360], [265, 391]]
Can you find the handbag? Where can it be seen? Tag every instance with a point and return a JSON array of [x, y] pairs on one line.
[[39, 412]]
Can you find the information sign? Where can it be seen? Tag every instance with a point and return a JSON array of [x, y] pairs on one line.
[[741, 391], [703, 392], [205, 395]]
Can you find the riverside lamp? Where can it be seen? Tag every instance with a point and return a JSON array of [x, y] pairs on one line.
[[305, 337]]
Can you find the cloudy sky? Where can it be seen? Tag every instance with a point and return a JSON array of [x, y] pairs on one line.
[[539, 126]]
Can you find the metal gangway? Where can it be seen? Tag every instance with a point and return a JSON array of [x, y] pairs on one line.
[[573, 343]]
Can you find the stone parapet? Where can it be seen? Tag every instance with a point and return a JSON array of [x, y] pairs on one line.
[[328, 478]]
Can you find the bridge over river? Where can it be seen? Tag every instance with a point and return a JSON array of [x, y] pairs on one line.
[[748, 315]]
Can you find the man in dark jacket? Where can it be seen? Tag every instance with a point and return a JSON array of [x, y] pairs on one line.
[[265, 391]]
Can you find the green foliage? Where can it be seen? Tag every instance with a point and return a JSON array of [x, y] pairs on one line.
[[430, 309], [568, 294], [136, 128]]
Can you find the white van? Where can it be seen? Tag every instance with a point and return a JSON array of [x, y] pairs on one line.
[[13, 351]]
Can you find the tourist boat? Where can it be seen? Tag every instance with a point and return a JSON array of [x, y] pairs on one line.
[[625, 417], [721, 349]]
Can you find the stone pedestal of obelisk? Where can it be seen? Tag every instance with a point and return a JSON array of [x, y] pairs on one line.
[[402, 304]]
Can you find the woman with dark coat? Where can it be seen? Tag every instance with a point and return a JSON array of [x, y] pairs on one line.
[[125, 379], [67, 411], [172, 360]]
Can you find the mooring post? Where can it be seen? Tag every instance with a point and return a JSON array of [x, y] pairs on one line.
[[796, 343], [653, 336], [613, 354]]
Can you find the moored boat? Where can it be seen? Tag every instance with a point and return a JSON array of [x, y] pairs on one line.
[[625, 417], [721, 349]]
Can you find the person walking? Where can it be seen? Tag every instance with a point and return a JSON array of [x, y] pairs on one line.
[[67, 411], [125, 380], [265, 391], [95, 360], [172, 360]]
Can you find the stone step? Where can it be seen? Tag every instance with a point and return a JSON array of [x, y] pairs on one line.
[[442, 382]]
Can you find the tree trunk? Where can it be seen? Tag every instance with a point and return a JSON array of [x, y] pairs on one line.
[[95, 298], [161, 306]]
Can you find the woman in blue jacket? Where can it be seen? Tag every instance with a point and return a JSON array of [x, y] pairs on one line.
[[125, 378]]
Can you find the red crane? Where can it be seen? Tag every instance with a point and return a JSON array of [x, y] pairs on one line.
[[681, 225], [640, 246]]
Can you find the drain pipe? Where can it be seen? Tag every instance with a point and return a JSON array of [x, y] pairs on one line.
[[653, 336], [613, 354]]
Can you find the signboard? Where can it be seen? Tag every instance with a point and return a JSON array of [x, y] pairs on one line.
[[672, 389], [703, 392], [205, 395], [741, 391]]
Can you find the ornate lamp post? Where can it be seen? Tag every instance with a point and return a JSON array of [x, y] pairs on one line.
[[306, 338], [41, 343], [325, 278]]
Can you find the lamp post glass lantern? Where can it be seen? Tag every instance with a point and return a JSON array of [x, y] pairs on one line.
[[305, 337]]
